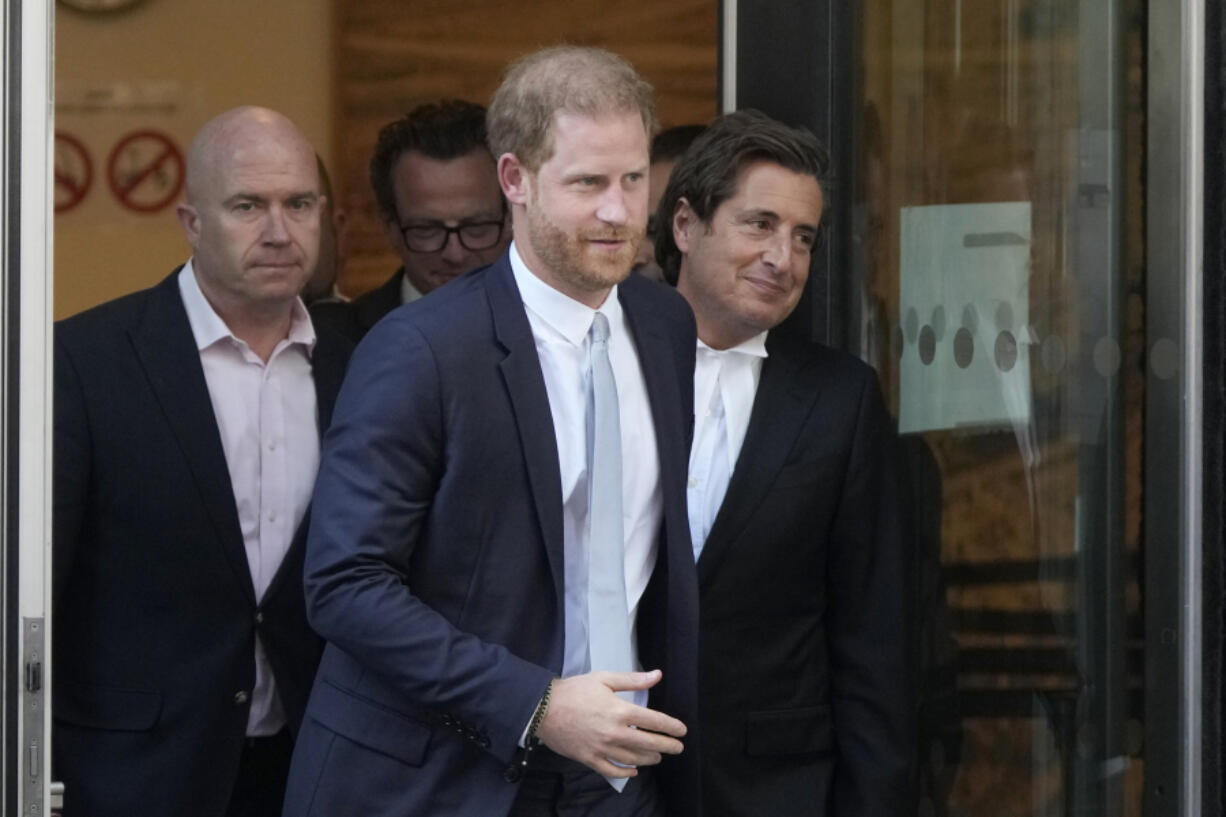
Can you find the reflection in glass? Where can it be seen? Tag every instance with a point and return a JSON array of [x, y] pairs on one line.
[[998, 292]]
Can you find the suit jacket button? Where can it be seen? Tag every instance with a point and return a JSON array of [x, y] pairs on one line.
[[259, 616], [513, 774], [240, 697]]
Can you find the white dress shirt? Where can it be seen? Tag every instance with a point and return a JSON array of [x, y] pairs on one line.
[[560, 328], [725, 383], [408, 292], [266, 414]]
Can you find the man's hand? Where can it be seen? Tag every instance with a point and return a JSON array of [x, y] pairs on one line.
[[587, 722]]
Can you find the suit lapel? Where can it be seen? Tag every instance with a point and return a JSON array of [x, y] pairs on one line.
[[370, 308], [659, 376], [783, 402], [166, 348], [657, 351], [521, 373]]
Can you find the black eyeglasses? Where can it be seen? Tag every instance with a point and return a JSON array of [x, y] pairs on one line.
[[433, 236]]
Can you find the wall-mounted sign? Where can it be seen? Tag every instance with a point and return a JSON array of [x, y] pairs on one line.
[[964, 317], [74, 171], [145, 171], [136, 132]]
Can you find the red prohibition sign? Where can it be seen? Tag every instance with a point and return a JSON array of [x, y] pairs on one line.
[[145, 171], [74, 171]]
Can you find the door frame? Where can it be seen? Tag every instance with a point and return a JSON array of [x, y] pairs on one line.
[[26, 159]]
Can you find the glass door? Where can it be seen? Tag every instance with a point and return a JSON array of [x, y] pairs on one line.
[[999, 288], [1015, 228]]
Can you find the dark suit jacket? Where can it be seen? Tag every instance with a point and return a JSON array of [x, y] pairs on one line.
[[804, 687], [355, 319], [154, 610], [434, 566]]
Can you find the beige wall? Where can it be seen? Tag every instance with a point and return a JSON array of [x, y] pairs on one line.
[[213, 56]]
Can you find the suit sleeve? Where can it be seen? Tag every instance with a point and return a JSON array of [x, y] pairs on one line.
[[869, 572], [382, 461], [70, 464]]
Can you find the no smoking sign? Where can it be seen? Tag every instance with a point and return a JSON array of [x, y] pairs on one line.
[[74, 171], [145, 171]]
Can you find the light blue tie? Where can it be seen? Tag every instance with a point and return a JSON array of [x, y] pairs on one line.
[[608, 619]]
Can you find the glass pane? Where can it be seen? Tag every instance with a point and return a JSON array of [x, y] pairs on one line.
[[999, 293]]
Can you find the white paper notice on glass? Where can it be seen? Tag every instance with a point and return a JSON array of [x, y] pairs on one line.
[[964, 314]]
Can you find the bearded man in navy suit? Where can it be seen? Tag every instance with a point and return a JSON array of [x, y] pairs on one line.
[[801, 542], [453, 559]]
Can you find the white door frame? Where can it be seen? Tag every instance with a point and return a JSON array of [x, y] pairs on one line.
[[26, 160]]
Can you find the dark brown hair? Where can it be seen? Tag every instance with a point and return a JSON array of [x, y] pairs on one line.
[[443, 130], [708, 172]]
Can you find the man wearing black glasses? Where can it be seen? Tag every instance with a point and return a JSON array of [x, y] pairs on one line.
[[437, 190]]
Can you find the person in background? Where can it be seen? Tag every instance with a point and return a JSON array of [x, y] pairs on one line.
[[436, 187], [321, 287], [666, 149], [187, 427], [802, 540]]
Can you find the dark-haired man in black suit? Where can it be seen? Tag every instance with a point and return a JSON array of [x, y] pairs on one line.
[[187, 427], [437, 191], [794, 501]]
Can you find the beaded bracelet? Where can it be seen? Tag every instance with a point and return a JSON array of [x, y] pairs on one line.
[[539, 715]]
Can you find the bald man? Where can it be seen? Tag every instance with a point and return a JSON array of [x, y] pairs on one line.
[[187, 427]]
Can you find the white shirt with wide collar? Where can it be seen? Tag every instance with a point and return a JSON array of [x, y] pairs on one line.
[[267, 417], [560, 327], [725, 384]]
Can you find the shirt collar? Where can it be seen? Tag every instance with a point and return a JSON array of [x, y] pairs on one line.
[[754, 347], [560, 312], [208, 327], [301, 330], [408, 292]]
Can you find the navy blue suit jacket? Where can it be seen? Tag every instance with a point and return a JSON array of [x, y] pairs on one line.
[[434, 566], [155, 615]]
